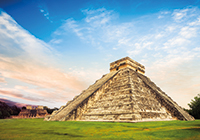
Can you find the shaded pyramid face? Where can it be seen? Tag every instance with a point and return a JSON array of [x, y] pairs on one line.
[[124, 94]]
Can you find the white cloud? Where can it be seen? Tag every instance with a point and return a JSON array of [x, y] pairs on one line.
[[188, 32], [15, 38], [125, 41], [163, 14], [92, 28], [127, 36], [194, 23], [157, 36], [197, 49], [175, 42], [133, 53], [54, 41], [179, 14], [158, 55], [170, 28], [71, 24], [44, 10], [98, 17], [160, 16], [130, 36]]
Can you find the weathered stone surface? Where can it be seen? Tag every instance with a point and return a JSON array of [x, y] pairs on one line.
[[127, 62], [32, 112], [124, 94]]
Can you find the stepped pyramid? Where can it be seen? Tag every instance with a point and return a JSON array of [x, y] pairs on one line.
[[124, 94]]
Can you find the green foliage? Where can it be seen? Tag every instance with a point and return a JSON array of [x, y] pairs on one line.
[[6, 111], [49, 110], [15, 110], [39, 129], [23, 107], [195, 107]]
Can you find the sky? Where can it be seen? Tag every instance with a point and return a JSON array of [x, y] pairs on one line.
[[52, 50]]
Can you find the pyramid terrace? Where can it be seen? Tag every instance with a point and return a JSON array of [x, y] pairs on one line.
[[125, 94]]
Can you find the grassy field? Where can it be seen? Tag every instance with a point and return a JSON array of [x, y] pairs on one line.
[[39, 129]]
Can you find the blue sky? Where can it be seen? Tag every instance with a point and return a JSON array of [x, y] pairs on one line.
[[51, 50]]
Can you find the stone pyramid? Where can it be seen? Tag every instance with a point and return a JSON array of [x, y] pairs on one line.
[[124, 94]]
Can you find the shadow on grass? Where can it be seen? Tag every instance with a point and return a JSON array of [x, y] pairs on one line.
[[193, 129], [51, 132], [175, 134], [197, 125]]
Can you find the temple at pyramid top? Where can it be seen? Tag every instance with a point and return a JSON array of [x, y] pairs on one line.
[[127, 62]]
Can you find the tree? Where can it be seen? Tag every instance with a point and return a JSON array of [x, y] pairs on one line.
[[23, 107], [195, 107], [15, 110], [5, 110], [49, 110]]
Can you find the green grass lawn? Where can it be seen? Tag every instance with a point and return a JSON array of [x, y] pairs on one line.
[[39, 129]]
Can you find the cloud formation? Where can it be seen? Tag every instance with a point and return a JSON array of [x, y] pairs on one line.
[[30, 60], [169, 49], [11, 103], [17, 94], [38, 74], [44, 10], [2, 80]]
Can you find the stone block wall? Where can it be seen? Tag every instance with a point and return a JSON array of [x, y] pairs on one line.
[[123, 98]]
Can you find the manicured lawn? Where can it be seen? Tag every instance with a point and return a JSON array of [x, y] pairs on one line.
[[39, 129]]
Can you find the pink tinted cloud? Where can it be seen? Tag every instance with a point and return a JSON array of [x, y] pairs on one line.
[[17, 94], [2, 80], [50, 95], [12, 103], [39, 74]]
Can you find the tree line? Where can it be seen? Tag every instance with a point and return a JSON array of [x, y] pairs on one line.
[[6, 111], [194, 107]]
